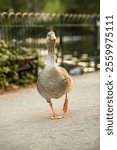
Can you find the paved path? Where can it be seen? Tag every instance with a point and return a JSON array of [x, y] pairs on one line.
[[25, 123]]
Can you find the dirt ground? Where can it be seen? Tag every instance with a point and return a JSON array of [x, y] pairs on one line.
[[25, 123]]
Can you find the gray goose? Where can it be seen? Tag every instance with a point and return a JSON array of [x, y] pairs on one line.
[[54, 81]]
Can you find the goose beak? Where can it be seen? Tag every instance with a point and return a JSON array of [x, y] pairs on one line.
[[52, 37]]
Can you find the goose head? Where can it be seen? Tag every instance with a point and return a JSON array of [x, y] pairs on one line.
[[51, 40]]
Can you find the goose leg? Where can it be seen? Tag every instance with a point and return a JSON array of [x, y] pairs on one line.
[[54, 115], [65, 106]]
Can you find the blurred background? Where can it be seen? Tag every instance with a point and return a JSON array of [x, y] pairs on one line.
[[23, 28], [51, 6]]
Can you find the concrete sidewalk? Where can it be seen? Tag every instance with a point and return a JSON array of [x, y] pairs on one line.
[[25, 123]]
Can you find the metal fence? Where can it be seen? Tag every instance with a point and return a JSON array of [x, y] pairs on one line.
[[77, 34], [71, 29]]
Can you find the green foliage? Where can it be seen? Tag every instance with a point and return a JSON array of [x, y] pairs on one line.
[[54, 6], [4, 5], [81, 6], [57, 6], [17, 64]]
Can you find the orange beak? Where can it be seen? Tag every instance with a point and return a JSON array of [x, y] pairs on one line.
[[52, 37]]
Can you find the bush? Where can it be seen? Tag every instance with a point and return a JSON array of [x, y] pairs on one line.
[[18, 64]]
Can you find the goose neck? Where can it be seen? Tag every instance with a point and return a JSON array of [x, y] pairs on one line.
[[51, 57]]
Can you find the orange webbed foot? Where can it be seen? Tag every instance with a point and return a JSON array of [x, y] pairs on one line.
[[56, 116]]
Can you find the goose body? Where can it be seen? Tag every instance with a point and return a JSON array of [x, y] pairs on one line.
[[53, 81]]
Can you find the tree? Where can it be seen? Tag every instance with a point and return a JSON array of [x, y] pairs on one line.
[[57, 6], [4, 5], [81, 6]]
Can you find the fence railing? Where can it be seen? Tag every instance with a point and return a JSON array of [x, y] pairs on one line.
[[24, 36], [31, 29]]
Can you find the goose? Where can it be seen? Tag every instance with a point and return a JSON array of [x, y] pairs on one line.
[[54, 81]]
